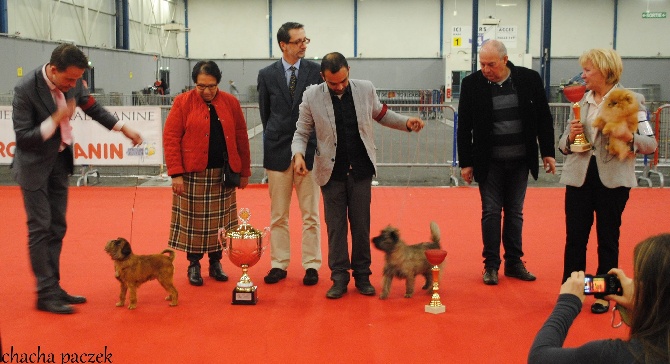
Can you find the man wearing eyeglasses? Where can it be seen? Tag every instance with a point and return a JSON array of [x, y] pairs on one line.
[[280, 88]]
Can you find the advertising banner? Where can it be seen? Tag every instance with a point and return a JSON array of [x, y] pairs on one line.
[[95, 145]]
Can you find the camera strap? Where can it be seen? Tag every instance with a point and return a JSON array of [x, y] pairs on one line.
[[624, 316]]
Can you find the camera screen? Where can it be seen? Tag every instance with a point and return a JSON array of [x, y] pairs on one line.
[[594, 285]]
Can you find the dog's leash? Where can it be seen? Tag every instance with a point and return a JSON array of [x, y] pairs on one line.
[[413, 161], [132, 209], [412, 164]]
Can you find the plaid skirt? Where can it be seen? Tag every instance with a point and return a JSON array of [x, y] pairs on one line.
[[204, 207]]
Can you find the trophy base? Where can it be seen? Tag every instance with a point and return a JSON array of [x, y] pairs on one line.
[[435, 309], [245, 297], [579, 148]]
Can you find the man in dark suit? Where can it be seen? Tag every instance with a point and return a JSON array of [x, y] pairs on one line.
[[43, 103], [502, 115], [280, 89]]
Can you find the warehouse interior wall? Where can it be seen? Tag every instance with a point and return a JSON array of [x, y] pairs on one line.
[[394, 43]]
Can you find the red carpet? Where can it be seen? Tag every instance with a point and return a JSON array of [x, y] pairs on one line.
[[294, 323]]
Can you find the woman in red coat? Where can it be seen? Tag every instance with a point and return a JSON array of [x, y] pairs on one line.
[[204, 130]]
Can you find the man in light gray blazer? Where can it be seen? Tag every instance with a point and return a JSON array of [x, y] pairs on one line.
[[43, 103], [341, 112], [280, 87]]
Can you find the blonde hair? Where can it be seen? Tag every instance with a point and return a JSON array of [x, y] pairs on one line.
[[607, 61]]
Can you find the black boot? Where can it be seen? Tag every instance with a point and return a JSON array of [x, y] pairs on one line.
[[194, 276], [216, 272], [215, 269]]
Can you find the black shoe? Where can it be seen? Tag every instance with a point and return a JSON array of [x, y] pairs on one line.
[[66, 298], [365, 288], [54, 306], [194, 276], [311, 277], [338, 289], [490, 276], [216, 272], [519, 271], [275, 275], [599, 308]]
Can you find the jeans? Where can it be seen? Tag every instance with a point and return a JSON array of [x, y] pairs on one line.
[[504, 190]]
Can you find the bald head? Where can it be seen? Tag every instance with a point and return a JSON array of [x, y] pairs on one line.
[[493, 61], [494, 46]]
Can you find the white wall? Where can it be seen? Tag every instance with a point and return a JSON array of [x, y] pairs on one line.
[[397, 43], [93, 23], [228, 29], [239, 29]]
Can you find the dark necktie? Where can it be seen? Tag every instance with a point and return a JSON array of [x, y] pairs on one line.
[[292, 81]]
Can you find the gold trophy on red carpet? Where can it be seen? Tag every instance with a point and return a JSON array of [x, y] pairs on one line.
[[574, 94], [435, 257], [244, 247]]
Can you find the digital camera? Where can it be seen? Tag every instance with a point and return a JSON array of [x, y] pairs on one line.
[[602, 285]]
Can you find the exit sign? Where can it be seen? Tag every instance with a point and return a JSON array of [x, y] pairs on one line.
[[654, 15]]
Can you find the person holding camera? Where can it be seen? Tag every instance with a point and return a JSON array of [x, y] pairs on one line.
[[643, 304]]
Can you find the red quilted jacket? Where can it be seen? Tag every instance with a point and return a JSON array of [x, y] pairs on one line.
[[186, 133]]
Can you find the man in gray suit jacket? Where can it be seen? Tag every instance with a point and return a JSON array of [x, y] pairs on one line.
[[280, 88], [43, 103], [341, 112]]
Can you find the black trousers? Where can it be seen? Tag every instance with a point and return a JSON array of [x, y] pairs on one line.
[[581, 203], [46, 209], [342, 201]]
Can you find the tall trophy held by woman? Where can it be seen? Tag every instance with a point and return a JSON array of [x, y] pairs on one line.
[[574, 94]]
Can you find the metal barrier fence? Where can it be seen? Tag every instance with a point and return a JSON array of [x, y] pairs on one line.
[[662, 132], [661, 124], [116, 99], [561, 114], [435, 146], [405, 101], [432, 147]]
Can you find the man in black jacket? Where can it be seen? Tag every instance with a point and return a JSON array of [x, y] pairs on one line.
[[502, 114]]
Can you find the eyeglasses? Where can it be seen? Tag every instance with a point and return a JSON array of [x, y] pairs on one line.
[[300, 41], [203, 87]]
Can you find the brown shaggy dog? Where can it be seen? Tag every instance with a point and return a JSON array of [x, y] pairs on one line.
[[133, 270], [405, 261], [617, 118]]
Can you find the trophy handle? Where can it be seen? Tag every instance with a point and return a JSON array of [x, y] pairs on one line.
[[221, 237]]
